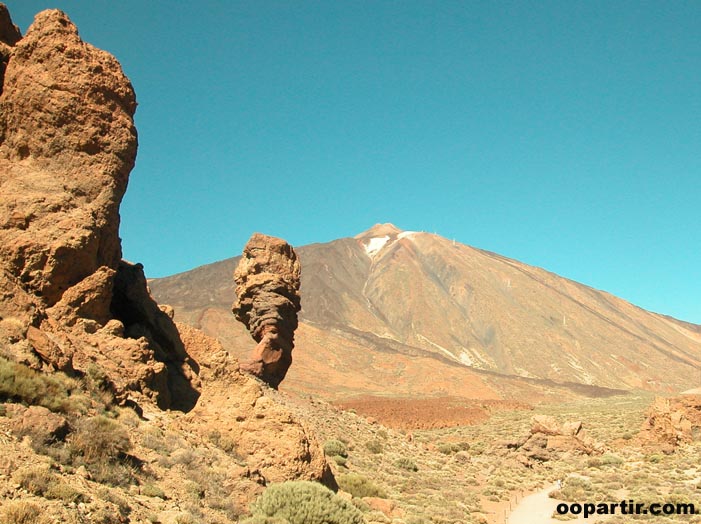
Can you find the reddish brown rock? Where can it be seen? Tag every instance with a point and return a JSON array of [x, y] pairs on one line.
[[387, 507], [548, 439], [38, 422], [67, 300], [672, 422], [67, 145], [276, 443], [545, 424], [267, 289], [9, 35]]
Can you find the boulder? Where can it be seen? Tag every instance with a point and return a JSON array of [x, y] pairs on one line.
[[545, 424], [38, 422], [67, 145], [548, 439]]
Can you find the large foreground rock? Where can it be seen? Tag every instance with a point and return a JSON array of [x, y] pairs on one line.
[[67, 299], [278, 446], [67, 145]]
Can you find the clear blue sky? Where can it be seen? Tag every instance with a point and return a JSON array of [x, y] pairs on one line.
[[563, 134]]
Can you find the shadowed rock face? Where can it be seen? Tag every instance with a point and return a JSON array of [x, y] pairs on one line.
[[267, 289]]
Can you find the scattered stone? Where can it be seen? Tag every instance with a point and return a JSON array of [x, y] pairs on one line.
[[545, 424], [387, 507]]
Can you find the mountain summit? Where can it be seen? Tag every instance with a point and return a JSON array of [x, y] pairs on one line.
[[379, 230], [411, 313]]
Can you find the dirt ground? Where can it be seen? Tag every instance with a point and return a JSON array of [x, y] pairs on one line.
[[427, 413]]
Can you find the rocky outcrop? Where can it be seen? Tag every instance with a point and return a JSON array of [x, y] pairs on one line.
[[67, 300], [67, 145], [276, 444], [267, 289], [672, 422], [9, 35], [548, 439]]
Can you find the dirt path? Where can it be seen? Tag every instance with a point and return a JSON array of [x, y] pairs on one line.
[[538, 508], [535, 509]]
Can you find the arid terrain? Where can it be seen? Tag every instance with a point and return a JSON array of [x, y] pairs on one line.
[[430, 382]]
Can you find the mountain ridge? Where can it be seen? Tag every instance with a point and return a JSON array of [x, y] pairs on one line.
[[478, 309]]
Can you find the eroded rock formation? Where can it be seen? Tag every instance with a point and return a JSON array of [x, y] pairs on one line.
[[67, 145], [548, 439], [267, 290], [672, 422], [278, 445], [67, 300]]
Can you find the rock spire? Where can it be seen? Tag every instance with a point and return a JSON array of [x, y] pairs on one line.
[[267, 289]]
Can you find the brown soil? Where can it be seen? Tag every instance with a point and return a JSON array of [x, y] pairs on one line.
[[427, 413]]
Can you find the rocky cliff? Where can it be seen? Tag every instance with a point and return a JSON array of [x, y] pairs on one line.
[[67, 299], [67, 145]]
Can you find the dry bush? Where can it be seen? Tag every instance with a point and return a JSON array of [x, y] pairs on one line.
[[304, 502], [40, 481], [20, 512], [374, 446], [100, 439], [360, 486], [18, 383]]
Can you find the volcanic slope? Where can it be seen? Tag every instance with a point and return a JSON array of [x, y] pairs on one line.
[[412, 314]]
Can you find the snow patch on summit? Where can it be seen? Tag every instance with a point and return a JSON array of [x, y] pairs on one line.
[[375, 244]]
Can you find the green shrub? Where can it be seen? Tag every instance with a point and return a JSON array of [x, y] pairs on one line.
[[18, 383], [151, 490], [448, 448], [265, 520], [359, 486], [374, 446], [334, 448], [338, 459], [406, 463], [303, 502]]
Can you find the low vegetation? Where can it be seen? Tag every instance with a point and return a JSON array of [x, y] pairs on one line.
[[56, 392], [360, 486], [119, 454], [302, 502]]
